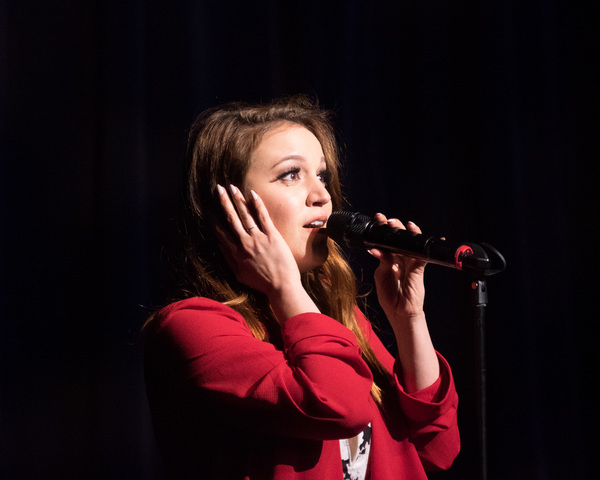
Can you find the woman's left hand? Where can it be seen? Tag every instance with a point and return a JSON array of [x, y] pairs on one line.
[[399, 279], [401, 292]]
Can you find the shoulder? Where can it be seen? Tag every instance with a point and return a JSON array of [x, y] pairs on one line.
[[194, 304], [197, 314]]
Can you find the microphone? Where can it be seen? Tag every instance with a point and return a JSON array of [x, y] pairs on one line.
[[356, 230]]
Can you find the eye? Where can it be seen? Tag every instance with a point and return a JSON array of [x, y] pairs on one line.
[[290, 175], [325, 177]]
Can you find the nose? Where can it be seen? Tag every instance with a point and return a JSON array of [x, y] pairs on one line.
[[318, 195]]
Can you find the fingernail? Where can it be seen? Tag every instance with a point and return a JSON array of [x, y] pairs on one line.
[[233, 189], [411, 223], [220, 189], [254, 195]]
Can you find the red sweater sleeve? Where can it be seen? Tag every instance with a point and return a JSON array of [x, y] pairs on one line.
[[430, 414], [318, 387]]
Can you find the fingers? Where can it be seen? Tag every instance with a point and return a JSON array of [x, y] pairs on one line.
[[246, 218], [392, 222], [386, 257], [397, 224], [411, 227], [237, 212], [262, 214]]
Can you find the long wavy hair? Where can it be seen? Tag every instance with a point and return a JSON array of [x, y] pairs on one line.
[[220, 144]]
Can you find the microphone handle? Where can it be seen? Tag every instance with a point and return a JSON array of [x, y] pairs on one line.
[[356, 230], [415, 245]]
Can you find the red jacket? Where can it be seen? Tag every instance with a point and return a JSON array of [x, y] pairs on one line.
[[226, 405]]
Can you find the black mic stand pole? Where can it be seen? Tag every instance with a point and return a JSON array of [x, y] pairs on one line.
[[479, 301], [484, 261]]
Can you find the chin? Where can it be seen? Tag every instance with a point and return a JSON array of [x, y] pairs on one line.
[[318, 258]]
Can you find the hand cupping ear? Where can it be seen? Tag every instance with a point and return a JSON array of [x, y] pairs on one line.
[[255, 250]]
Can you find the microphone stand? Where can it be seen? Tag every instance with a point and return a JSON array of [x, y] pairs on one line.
[[479, 301], [489, 262]]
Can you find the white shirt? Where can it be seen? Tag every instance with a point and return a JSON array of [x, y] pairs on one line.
[[356, 468]]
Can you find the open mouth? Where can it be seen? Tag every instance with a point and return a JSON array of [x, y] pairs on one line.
[[315, 224]]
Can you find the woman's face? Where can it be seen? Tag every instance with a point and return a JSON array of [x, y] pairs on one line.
[[288, 171]]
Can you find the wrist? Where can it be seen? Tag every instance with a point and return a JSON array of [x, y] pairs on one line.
[[407, 319], [290, 299]]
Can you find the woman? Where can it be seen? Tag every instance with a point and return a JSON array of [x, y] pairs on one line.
[[265, 368]]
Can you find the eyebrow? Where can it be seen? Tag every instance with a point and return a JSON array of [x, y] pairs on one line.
[[295, 156]]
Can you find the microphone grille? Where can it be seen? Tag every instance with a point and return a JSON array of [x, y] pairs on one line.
[[347, 228]]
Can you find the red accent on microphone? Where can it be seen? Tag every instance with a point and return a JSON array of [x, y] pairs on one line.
[[459, 254]]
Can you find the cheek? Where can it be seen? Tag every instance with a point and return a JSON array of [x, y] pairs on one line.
[[276, 213], [279, 217], [281, 211], [288, 230]]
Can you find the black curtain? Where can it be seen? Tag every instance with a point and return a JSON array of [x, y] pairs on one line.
[[477, 120]]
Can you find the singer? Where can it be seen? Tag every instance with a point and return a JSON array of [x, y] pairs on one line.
[[263, 366]]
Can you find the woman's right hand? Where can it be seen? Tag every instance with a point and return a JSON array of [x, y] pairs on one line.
[[259, 256]]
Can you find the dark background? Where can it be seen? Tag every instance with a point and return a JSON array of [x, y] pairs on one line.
[[475, 119]]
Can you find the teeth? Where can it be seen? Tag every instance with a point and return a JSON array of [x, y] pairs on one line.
[[315, 224]]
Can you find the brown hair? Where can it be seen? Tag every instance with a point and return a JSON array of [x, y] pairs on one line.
[[220, 144]]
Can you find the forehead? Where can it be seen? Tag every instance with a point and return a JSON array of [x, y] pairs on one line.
[[287, 140]]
